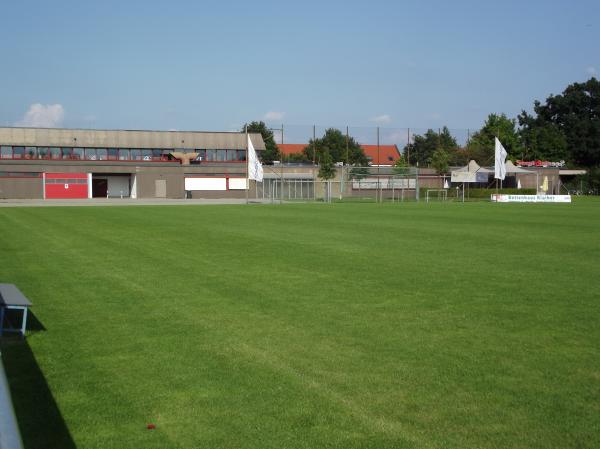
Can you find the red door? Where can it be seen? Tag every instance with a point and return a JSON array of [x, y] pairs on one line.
[[66, 185]]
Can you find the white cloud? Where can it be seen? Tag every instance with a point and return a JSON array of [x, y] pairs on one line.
[[43, 116], [274, 115], [591, 71], [383, 119]]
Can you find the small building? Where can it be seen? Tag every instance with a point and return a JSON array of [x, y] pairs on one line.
[[38, 163]]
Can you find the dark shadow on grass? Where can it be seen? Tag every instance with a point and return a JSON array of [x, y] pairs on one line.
[[12, 318], [40, 421], [33, 324]]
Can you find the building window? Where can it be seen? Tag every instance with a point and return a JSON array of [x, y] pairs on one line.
[[157, 155], [6, 152], [18, 152], [78, 153], [241, 155], [90, 154], [55, 153], [231, 155], [102, 154], [147, 155], [211, 155], [67, 153], [42, 152], [30, 153], [124, 154], [113, 154]]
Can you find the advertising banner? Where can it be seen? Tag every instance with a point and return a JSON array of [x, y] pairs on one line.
[[502, 198], [468, 176]]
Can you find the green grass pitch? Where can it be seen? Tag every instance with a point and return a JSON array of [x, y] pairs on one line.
[[307, 326]]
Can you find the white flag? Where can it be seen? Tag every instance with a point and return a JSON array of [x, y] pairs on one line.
[[499, 160], [255, 170]]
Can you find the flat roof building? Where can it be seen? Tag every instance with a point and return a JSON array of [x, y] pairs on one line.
[[83, 163]]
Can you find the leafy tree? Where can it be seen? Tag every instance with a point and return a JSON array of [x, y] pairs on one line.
[[458, 157], [327, 169], [439, 160], [271, 152], [481, 144], [334, 142], [576, 114], [297, 157], [400, 167], [541, 140], [422, 148]]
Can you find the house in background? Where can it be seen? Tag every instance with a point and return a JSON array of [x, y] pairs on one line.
[[382, 155]]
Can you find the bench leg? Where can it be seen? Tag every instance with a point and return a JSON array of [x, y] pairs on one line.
[[24, 324]]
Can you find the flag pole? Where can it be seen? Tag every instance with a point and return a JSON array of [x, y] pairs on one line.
[[247, 164]]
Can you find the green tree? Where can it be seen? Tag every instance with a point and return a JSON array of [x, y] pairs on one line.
[[271, 152], [576, 115], [422, 148], [326, 169], [439, 160], [481, 144], [541, 140], [400, 167], [340, 148]]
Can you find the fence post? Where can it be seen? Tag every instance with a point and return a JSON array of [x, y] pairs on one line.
[[417, 193]]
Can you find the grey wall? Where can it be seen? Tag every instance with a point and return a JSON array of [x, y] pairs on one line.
[[21, 188]]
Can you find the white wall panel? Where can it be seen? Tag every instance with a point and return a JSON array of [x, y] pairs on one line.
[[205, 184], [237, 183]]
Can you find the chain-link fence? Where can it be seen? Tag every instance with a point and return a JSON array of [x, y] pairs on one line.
[[297, 182]]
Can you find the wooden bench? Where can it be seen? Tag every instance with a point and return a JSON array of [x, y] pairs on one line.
[[11, 298]]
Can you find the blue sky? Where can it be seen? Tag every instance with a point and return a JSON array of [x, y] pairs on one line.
[[214, 65]]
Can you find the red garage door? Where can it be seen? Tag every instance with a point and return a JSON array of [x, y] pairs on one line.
[[66, 185]]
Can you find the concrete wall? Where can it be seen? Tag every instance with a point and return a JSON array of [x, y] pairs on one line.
[[21, 188], [97, 138], [146, 184]]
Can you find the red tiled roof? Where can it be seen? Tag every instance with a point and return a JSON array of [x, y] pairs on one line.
[[387, 154], [291, 148]]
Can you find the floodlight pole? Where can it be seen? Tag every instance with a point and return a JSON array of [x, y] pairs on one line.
[[378, 169], [247, 163]]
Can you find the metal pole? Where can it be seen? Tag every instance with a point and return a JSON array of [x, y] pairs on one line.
[[247, 164], [378, 168], [314, 146], [417, 193], [314, 168], [281, 163], [408, 146]]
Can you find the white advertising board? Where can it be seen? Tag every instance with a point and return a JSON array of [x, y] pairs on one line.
[[205, 184], [502, 198], [384, 183], [468, 176], [237, 183]]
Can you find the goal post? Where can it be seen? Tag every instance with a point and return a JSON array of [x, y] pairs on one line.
[[440, 194]]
